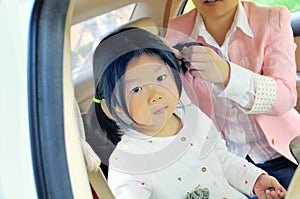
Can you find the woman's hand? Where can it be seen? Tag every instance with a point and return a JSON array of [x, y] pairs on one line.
[[204, 62], [267, 187]]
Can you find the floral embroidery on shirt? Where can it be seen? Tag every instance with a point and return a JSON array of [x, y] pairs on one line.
[[198, 193]]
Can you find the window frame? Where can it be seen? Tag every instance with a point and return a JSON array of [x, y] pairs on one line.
[[45, 99]]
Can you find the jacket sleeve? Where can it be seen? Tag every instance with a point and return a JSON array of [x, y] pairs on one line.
[[275, 80], [279, 62]]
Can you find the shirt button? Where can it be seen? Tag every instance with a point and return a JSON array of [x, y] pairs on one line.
[[274, 141], [203, 169], [183, 139]]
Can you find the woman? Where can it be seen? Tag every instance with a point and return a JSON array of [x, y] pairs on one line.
[[249, 60]]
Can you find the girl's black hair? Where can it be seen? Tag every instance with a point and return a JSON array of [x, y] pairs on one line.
[[110, 61]]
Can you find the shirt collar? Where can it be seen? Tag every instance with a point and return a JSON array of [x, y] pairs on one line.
[[240, 21]]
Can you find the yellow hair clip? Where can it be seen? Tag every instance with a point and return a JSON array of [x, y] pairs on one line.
[[98, 101]]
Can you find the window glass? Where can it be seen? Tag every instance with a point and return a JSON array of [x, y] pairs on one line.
[[189, 6], [86, 35], [291, 5]]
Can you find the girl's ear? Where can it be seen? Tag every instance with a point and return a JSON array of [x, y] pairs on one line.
[[105, 109]]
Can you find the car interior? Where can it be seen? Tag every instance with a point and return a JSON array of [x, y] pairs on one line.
[[82, 87], [77, 151], [296, 30]]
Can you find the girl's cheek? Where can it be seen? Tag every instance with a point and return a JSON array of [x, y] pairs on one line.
[[134, 104], [138, 110]]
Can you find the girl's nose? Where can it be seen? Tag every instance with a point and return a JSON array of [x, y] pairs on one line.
[[155, 99], [154, 93]]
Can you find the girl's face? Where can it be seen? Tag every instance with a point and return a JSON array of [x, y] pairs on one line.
[[151, 92], [214, 9]]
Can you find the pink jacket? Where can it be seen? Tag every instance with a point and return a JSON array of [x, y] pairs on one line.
[[272, 43]]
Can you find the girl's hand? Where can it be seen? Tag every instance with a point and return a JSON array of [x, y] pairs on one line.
[[267, 187], [204, 62]]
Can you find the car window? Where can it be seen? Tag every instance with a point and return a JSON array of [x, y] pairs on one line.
[[291, 5], [188, 6], [85, 35]]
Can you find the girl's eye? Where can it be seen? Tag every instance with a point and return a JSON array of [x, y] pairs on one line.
[[161, 78], [136, 89]]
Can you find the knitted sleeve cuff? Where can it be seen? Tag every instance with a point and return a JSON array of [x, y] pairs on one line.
[[265, 95]]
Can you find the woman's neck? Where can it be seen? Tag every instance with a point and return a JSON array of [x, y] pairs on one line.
[[219, 26]]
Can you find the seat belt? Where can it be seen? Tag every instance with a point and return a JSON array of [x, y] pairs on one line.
[[99, 184], [95, 174], [96, 177], [167, 15]]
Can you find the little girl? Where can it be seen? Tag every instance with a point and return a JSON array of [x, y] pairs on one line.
[[164, 149]]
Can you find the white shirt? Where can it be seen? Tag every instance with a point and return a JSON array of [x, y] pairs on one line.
[[243, 135], [168, 167]]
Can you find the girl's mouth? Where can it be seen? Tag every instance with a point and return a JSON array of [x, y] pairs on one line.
[[161, 110]]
